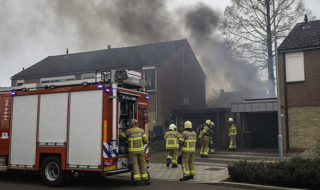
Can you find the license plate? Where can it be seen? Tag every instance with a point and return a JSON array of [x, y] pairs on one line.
[[108, 168]]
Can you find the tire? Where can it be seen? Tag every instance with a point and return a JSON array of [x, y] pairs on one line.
[[51, 172]]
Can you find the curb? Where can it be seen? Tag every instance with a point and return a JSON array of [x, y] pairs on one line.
[[251, 186]]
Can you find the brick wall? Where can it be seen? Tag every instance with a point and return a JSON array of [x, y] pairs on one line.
[[180, 76], [302, 94], [304, 125], [169, 86], [306, 93]]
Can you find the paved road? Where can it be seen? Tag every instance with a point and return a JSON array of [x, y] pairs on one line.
[[25, 181]]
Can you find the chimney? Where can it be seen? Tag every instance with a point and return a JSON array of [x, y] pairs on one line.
[[67, 51], [221, 91], [109, 46], [306, 19]]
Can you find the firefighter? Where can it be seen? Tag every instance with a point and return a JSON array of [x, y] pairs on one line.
[[188, 141], [232, 134], [137, 138], [172, 145], [204, 140], [211, 133]]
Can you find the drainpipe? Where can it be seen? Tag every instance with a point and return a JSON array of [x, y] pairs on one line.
[[286, 102]]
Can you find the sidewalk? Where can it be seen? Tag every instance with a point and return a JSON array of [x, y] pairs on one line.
[[205, 172]]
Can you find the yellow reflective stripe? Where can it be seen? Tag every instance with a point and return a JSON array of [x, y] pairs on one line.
[[169, 157], [134, 138], [135, 176], [171, 139], [144, 135], [191, 140], [172, 146], [188, 149], [192, 172], [185, 172], [181, 139], [144, 175]]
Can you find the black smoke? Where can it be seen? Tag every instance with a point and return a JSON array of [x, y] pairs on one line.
[[144, 21], [89, 25], [223, 70], [202, 21]]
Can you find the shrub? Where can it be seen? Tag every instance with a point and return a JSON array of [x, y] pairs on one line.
[[295, 172]]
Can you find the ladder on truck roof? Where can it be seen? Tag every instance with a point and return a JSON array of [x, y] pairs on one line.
[[127, 79]]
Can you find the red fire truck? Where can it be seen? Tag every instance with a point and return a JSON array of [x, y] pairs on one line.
[[70, 127]]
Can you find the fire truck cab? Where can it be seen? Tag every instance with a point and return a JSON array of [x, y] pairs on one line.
[[71, 127]]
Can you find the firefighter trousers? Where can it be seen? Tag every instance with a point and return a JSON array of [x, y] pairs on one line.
[[139, 170], [173, 155], [188, 163], [233, 142], [211, 148], [204, 145]]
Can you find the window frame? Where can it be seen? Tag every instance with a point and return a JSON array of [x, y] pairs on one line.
[[85, 76], [301, 63], [20, 82], [155, 77], [49, 80]]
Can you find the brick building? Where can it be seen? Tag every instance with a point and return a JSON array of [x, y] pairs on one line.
[[174, 73], [299, 71]]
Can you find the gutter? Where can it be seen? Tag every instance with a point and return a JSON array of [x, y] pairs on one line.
[[298, 49]]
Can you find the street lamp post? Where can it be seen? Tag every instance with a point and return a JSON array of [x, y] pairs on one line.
[[278, 85]]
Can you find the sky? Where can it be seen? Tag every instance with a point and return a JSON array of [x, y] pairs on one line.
[[29, 32]]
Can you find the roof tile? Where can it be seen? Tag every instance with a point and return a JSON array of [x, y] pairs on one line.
[[126, 57], [303, 35]]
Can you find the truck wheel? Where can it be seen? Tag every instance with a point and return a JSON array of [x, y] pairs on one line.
[[51, 172]]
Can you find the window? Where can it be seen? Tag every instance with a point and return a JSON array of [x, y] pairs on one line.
[[57, 79], [88, 76], [295, 67], [19, 82], [150, 75]]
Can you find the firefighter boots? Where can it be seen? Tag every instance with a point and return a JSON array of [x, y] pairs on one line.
[[174, 165], [168, 162]]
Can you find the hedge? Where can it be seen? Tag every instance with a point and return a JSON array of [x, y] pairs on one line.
[[296, 172]]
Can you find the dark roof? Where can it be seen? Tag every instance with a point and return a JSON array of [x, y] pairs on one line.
[[227, 98], [303, 36], [114, 58], [189, 110]]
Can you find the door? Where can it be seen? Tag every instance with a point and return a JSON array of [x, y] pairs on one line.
[[84, 150], [23, 131], [264, 128]]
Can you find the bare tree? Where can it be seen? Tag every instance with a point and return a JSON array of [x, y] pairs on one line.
[[248, 26]]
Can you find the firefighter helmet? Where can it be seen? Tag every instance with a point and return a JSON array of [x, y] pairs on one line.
[[208, 122], [188, 125], [230, 120], [212, 123], [172, 127]]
